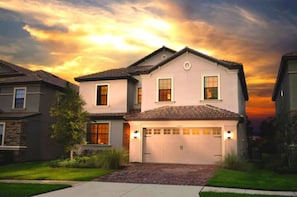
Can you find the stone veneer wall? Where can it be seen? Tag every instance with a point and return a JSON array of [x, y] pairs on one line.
[[14, 133]]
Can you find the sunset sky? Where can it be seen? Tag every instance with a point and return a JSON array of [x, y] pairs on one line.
[[77, 37]]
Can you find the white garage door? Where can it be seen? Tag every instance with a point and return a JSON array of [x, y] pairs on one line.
[[183, 145]]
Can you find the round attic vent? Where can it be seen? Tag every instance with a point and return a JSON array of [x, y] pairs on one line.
[[187, 65]]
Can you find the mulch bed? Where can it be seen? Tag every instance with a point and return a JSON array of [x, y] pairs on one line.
[[171, 174]]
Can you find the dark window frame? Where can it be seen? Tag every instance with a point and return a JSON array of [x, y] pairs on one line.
[[102, 95]]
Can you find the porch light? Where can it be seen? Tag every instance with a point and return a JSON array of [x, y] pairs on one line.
[[229, 135], [135, 134]]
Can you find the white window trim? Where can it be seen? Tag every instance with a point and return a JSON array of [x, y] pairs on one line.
[[219, 87], [108, 93], [13, 102], [109, 133], [157, 89], [3, 134]]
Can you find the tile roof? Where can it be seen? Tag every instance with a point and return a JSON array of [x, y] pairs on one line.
[[198, 112], [13, 74]]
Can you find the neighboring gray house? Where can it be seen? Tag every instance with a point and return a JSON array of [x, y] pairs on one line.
[[285, 89], [25, 100]]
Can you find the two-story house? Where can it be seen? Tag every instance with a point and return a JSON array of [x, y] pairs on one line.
[[25, 100], [285, 91], [169, 107]]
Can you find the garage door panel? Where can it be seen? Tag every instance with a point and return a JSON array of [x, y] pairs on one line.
[[184, 146]]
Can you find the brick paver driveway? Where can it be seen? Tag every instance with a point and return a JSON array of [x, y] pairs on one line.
[[172, 174]]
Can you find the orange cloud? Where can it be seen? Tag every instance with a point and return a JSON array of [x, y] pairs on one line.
[[94, 39]]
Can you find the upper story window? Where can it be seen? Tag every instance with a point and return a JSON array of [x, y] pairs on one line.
[[98, 133], [102, 95], [139, 95], [211, 87], [19, 98], [165, 89], [1, 134]]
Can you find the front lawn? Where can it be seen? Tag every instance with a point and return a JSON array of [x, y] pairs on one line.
[[43, 171], [27, 189], [219, 194], [258, 179]]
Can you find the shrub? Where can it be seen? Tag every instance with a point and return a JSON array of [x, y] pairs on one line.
[[112, 158], [233, 162], [109, 159]]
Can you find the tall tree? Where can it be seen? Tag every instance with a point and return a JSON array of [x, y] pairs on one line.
[[70, 119]]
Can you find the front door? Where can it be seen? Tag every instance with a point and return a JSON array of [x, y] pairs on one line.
[[126, 136]]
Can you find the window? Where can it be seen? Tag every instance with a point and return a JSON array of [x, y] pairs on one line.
[[98, 133], [165, 90], [186, 132], [19, 98], [167, 131], [102, 94], [1, 134], [211, 87], [139, 95]]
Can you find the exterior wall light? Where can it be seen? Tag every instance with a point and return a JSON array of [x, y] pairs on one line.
[[229, 135], [135, 134]]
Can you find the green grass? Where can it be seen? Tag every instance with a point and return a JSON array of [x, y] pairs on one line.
[[258, 179], [217, 194], [42, 171], [27, 189]]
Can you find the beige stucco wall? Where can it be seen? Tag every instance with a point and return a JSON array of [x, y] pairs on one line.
[[117, 96], [188, 84]]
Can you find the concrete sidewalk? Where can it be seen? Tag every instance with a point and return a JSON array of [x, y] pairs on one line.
[[108, 189], [111, 189]]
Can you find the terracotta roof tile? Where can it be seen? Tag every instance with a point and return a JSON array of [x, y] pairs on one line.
[[199, 112]]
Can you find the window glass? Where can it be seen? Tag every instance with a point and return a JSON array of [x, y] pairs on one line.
[[167, 131], [157, 131], [139, 95], [186, 131], [1, 134], [216, 131], [19, 98], [98, 133], [195, 131], [148, 131], [175, 131], [102, 92], [211, 87], [164, 89], [206, 131]]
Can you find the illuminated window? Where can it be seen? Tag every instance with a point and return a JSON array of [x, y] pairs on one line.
[[175, 131], [206, 131], [167, 131], [19, 98], [216, 131], [98, 133], [186, 131], [102, 94], [139, 95], [195, 131], [157, 131], [165, 90], [148, 131], [211, 87]]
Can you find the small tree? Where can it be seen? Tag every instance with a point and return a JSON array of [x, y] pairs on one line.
[[70, 119]]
